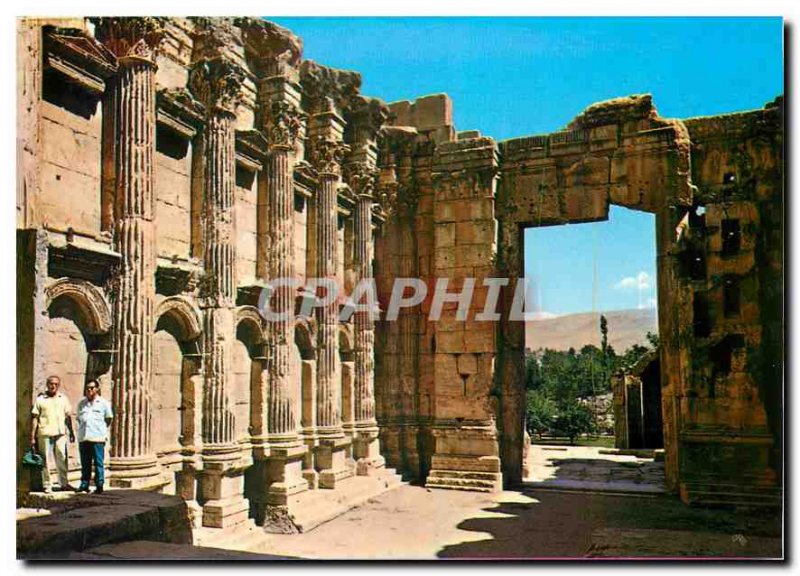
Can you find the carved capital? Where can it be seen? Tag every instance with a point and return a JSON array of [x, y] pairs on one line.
[[327, 155], [217, 83], [284, 122], [361, 177], [126, 37], [387, 197]]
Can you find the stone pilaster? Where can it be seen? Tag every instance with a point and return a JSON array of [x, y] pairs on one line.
[[133, 41], [216, 82], [274, 53], [327, 151]]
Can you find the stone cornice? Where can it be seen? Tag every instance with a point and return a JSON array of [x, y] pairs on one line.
[[79, 57], [178, 110], [272, 49], [322, 82]]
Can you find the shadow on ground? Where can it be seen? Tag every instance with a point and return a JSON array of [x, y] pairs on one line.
[[585, 525]]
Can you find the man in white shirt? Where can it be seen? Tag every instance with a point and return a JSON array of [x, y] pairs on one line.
[[51, 421], [94, 416]]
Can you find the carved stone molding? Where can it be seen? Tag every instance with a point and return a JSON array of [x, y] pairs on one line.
[[273, 50], [217, 84], [185, 312], [322, 82], [89, 298], [137, 37]]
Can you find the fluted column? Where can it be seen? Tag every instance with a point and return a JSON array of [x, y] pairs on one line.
[[219, 289], [133, 41], [364, 330], [329, 421], [282, 401], [216, 82]]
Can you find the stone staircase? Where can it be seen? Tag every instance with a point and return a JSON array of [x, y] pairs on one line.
[[245, 537], [707, 494], [472, 481]]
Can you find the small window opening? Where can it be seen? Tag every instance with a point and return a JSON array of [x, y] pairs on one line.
[[169, 143], [731, 237], [731, 292], [245, 177], [701, 318]]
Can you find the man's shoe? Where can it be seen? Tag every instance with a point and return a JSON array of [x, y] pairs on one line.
[[98, 490], [83, 488], [47, 490]]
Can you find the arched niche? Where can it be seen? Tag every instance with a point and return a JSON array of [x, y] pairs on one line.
[[177, 381], [247, 396], [77, 336]]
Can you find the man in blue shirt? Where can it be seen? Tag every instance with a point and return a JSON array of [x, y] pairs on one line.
[[94, 416]]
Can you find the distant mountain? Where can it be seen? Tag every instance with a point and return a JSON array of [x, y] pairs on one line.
[[625, 328]]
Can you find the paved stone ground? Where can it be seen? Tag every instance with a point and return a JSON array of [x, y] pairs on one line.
[[412, 522], [587, 468]]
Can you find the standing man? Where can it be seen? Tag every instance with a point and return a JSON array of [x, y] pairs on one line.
[[94, 416], [51, 421]]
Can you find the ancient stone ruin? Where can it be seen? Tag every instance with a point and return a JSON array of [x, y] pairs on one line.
[[168, 168]]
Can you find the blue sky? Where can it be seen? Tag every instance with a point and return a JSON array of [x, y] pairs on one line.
[[512, 77]]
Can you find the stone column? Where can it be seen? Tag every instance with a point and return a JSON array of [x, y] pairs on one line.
[[217, 82], [282, 121], [133, 41], [327, 151], [366, 450]]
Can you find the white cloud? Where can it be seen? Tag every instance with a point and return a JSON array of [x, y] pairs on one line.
[[642, 281], [539, 315], [650, 303]]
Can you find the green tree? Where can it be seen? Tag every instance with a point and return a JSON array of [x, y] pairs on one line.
[[573, 420], [541, 412]]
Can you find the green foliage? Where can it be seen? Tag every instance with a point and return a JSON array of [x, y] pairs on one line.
[[559, 383], [573, 420], [541, 412]]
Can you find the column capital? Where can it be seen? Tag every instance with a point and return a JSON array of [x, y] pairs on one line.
[[217, 83], [283, 124], [130, 37], [362, 178], [327, 155]]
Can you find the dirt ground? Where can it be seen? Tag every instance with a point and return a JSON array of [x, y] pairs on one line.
[[413, 522]]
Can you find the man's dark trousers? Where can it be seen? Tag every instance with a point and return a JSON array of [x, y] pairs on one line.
[[92, 452]]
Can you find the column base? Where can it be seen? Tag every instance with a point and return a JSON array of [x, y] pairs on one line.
[[139, 473], [332, 461], [366, 451], [221, 490], [466, 458]]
